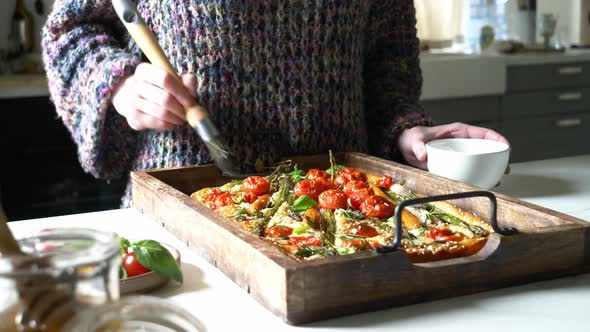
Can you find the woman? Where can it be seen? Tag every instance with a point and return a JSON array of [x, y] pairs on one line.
[[278, 77]]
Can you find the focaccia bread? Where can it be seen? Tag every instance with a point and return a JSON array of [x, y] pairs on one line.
[[342, 211]]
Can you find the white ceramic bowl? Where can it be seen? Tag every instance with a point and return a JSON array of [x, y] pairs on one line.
[[478, 162]]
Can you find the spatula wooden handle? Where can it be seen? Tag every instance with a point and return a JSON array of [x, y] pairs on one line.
[[148, 43], [150, 47]]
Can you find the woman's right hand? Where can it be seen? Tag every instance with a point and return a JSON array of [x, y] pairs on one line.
[[152, 98]]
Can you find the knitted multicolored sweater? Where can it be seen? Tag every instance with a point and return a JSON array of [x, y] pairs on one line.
[[279, 77]]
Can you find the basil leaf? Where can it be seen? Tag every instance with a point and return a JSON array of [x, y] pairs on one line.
[[300, 230], [303, 203], [122, 273], [297, 174], [334, 169], [241, 212], [155, 257], [346, 251], [235, 182], [239, 200], [124, 245]]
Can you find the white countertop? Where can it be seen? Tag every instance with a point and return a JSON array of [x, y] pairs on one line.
[[561, 304], [23, 86], [451, 75], [445, 75], [458, 75]]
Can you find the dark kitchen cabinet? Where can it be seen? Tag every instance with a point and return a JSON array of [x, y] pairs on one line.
[[546, 110], [40, 173], [544, 113], [483, 111]]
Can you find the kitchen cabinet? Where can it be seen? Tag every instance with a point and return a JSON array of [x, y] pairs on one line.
[[546, 110], [40, 174]]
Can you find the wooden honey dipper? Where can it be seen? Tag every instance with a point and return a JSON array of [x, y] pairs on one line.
[[45, 306]]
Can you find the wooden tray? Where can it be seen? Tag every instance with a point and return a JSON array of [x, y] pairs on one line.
[[549, 244]]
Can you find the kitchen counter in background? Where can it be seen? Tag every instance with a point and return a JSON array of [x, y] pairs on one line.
[[452, 75], [539, 102], [446, 75], [462, 75], [23, 86]]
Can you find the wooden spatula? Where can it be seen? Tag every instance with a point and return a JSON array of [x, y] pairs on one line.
[[196, 115]]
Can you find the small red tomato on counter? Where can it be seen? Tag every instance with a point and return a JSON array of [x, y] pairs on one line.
[[145, 256], [132, 266]]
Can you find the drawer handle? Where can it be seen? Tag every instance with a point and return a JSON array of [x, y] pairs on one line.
[[566, 123], [570, 96], [570, 70]]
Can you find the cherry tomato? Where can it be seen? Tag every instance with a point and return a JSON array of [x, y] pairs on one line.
[[349, 174], [256, 185], [384, 182], [327, 183], [278, 230], [310, 241], [363, 230], [443, 234], [333, 199], [249, 197], [314, 214], [223, 199], [311, 188], [356, 198], [377, 206], [315, 173], [132, 266], [212, 195], [354, 185]]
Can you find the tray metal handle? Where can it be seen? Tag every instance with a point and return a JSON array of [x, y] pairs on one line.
[[399, 208]]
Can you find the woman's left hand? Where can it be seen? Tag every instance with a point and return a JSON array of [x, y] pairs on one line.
[[412, 141]]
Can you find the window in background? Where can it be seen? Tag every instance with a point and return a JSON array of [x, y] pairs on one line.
[[440, 22], [457, 24]]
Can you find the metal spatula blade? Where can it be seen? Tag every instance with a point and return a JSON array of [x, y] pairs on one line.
[[196, 115]]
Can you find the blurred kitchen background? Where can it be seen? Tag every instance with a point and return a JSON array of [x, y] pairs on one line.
[[521, 67]]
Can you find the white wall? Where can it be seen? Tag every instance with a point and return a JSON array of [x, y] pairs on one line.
[[571, 19]]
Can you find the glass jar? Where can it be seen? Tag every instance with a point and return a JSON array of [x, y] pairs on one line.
[[62, 272], [137, 313]]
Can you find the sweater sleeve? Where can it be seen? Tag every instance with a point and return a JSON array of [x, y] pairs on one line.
[[84, 57], [393, 79]]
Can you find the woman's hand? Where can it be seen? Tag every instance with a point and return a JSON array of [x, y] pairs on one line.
[[412, 141], [153, 99]]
